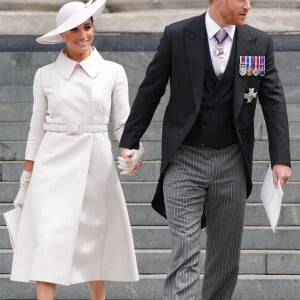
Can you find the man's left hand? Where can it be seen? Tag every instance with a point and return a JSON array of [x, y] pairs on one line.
[[131, 160]]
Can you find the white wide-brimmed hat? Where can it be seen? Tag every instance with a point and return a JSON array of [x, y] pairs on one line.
[[70, 16]]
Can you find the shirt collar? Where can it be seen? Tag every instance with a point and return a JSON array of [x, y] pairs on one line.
[[91, 65], [212, 27]]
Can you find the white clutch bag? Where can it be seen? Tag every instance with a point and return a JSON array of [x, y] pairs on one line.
[[271, 198], [12, 220]]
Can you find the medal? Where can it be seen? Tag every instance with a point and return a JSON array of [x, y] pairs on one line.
[[251, 95], [219, 51], [262, 66], [242, 68], [255, 69], [249, 70]]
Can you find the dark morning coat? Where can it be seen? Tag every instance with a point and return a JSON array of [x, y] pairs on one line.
[[180, 59]]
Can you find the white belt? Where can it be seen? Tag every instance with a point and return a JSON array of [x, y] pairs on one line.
[[75, 128]]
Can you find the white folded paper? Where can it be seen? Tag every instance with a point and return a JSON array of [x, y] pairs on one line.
[[271, 198], [12, 220]]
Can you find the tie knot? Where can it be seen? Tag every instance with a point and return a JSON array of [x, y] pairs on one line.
[[221, 36]]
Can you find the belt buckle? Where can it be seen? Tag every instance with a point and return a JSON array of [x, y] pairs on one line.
[[73, 129]]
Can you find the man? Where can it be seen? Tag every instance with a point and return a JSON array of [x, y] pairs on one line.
[[208, 138]]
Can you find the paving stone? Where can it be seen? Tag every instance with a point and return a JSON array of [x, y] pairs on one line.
[[12, 150], [8, 191], [283, 263], [291, 193], [267, 288], [16, 94], [294, 128], [13, 131], [291, 93], [15, 112], [5, 262]]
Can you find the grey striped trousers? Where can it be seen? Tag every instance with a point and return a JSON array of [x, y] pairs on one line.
[[209, 181]]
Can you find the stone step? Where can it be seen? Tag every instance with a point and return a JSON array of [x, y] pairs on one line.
[[18, 68], [254, 238], [16, 150], [259, 262], [249, 287], [130, 5], [142, 192], [143, 21], [18, 131], [10, 171], [21, 60], [142, 214], [20, 111], [23, 94]]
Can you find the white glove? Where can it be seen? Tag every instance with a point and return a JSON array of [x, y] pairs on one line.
[[24, 182], [135, 156]]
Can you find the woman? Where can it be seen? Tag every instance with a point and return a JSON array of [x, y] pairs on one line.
[[74, 226]]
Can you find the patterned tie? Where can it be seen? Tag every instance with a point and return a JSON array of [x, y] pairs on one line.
[[220, 37], [219, 60]]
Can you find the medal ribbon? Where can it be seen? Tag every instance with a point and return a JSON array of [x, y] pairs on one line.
[[249, 64], [262, 62], [255, 62]]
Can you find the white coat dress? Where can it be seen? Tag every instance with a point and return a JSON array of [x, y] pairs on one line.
[[75, 226]]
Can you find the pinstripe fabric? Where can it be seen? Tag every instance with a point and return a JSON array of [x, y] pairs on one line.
[[213, 181]]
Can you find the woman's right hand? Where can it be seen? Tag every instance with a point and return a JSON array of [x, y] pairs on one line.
[[24, 183]]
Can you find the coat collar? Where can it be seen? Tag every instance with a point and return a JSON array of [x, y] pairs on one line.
[[91, 65], [195, 35]]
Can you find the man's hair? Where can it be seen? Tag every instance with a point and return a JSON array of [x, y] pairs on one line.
[[210, 1]]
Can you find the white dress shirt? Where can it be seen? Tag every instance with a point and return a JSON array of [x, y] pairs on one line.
[[219, 63]]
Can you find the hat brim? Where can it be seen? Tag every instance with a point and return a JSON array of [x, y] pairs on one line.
[[54, 37]]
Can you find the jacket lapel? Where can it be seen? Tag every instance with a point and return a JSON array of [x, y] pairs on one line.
[[244, 46], [195, 51]]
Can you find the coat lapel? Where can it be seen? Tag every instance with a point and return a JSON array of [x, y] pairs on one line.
[[245, 44], [195, 51]]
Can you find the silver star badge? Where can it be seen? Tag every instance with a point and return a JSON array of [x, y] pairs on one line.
[[250, 95]]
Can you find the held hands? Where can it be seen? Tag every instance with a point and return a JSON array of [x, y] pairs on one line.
[[281, 173], [24, 182], [130, 160]]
